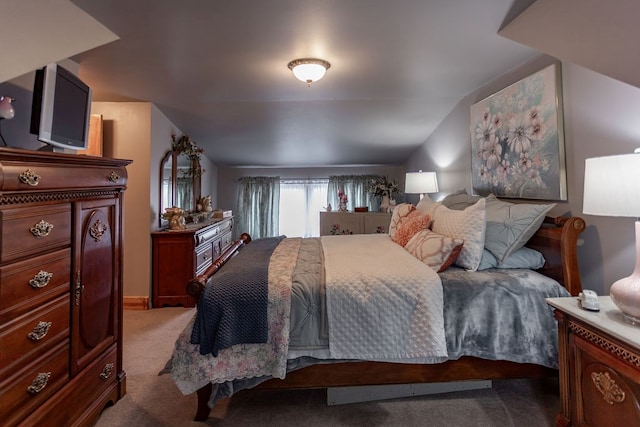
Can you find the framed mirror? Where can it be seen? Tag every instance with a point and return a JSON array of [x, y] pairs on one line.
[[166, 185], [180, 175]]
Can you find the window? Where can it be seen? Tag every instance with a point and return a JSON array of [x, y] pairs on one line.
[[301, 201]]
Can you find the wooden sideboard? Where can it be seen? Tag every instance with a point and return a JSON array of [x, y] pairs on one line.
[[60, 287], [179, 256], [599, 359], [354, 222]]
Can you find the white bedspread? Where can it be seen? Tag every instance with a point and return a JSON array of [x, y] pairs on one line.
[[383, 304]]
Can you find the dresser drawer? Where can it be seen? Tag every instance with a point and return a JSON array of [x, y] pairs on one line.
[[34, 230], [204, 256], [30, 387], [226, 240], [89, 391], [42, 177], [28, 283], [33, 334], [226, 225]]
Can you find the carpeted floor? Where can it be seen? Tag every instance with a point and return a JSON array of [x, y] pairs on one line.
[[153, 400]]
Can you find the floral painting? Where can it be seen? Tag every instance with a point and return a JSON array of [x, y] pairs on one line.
[[517, 140]]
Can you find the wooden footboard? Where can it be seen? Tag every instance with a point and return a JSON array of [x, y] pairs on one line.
[[196, 286], [556, 239]]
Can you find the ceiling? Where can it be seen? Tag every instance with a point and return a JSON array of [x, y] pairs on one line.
[[218, 69]]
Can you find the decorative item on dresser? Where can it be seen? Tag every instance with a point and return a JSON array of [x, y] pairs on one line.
[[180, 255], [354, 222], [385, 188], [599, 359], [60, 287]]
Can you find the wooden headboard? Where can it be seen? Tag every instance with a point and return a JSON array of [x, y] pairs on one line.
[[556, 239]]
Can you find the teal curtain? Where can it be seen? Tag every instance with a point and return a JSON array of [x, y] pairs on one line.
[[356, 187], [184, 193], [258, 206]]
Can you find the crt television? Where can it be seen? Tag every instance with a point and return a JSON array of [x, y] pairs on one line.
[[60, 109]]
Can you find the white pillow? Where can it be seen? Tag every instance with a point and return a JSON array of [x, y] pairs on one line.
[[468, 225], [426, 206], [437, 251]]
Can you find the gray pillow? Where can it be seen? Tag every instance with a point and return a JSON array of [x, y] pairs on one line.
[[520, 258], [460, 200], [511, 225]]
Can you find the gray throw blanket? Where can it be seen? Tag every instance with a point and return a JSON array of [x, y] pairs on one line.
[[233, 307], [501, 315]]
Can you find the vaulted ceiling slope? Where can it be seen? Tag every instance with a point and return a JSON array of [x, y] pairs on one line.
[[35, 33], [218, 70], [600, 35]]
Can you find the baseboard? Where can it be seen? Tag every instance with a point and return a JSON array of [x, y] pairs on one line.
[[135, 303]]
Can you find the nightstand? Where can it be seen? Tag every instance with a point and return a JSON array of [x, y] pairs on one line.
[[599, 359]]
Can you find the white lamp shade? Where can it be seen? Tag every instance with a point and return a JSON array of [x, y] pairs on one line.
[[612, 186], [421, 183]]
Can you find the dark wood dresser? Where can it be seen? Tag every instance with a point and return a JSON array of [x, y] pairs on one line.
[[179, 256], [60, 287], [599, 358]]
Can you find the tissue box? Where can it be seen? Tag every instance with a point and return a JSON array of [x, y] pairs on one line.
[[219, 213]]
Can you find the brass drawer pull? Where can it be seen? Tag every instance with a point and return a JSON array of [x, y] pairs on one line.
[[41, 279], [114, 177], [39, 331], [106, 371], [29, 177], [610, 391], [39, 383], [41, 229]]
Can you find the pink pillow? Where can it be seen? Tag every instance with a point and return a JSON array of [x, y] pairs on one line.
[[435, 250], [409, 226], [399, 213]]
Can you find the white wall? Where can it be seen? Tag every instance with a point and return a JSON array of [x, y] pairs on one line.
[[600, 117]]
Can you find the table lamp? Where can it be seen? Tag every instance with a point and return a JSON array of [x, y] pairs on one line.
[[611, 188], [421, 183]]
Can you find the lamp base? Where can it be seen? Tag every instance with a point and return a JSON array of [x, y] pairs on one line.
[[625, 293], [631, 320]]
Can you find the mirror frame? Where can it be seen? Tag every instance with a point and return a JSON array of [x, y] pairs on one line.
[[196, 182]]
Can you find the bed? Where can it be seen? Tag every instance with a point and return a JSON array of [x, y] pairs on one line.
[[311, 365]]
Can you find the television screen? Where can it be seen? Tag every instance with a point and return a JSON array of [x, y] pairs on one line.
[[61, 108]]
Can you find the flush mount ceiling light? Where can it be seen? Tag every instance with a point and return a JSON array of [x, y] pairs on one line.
[[309, 70]]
